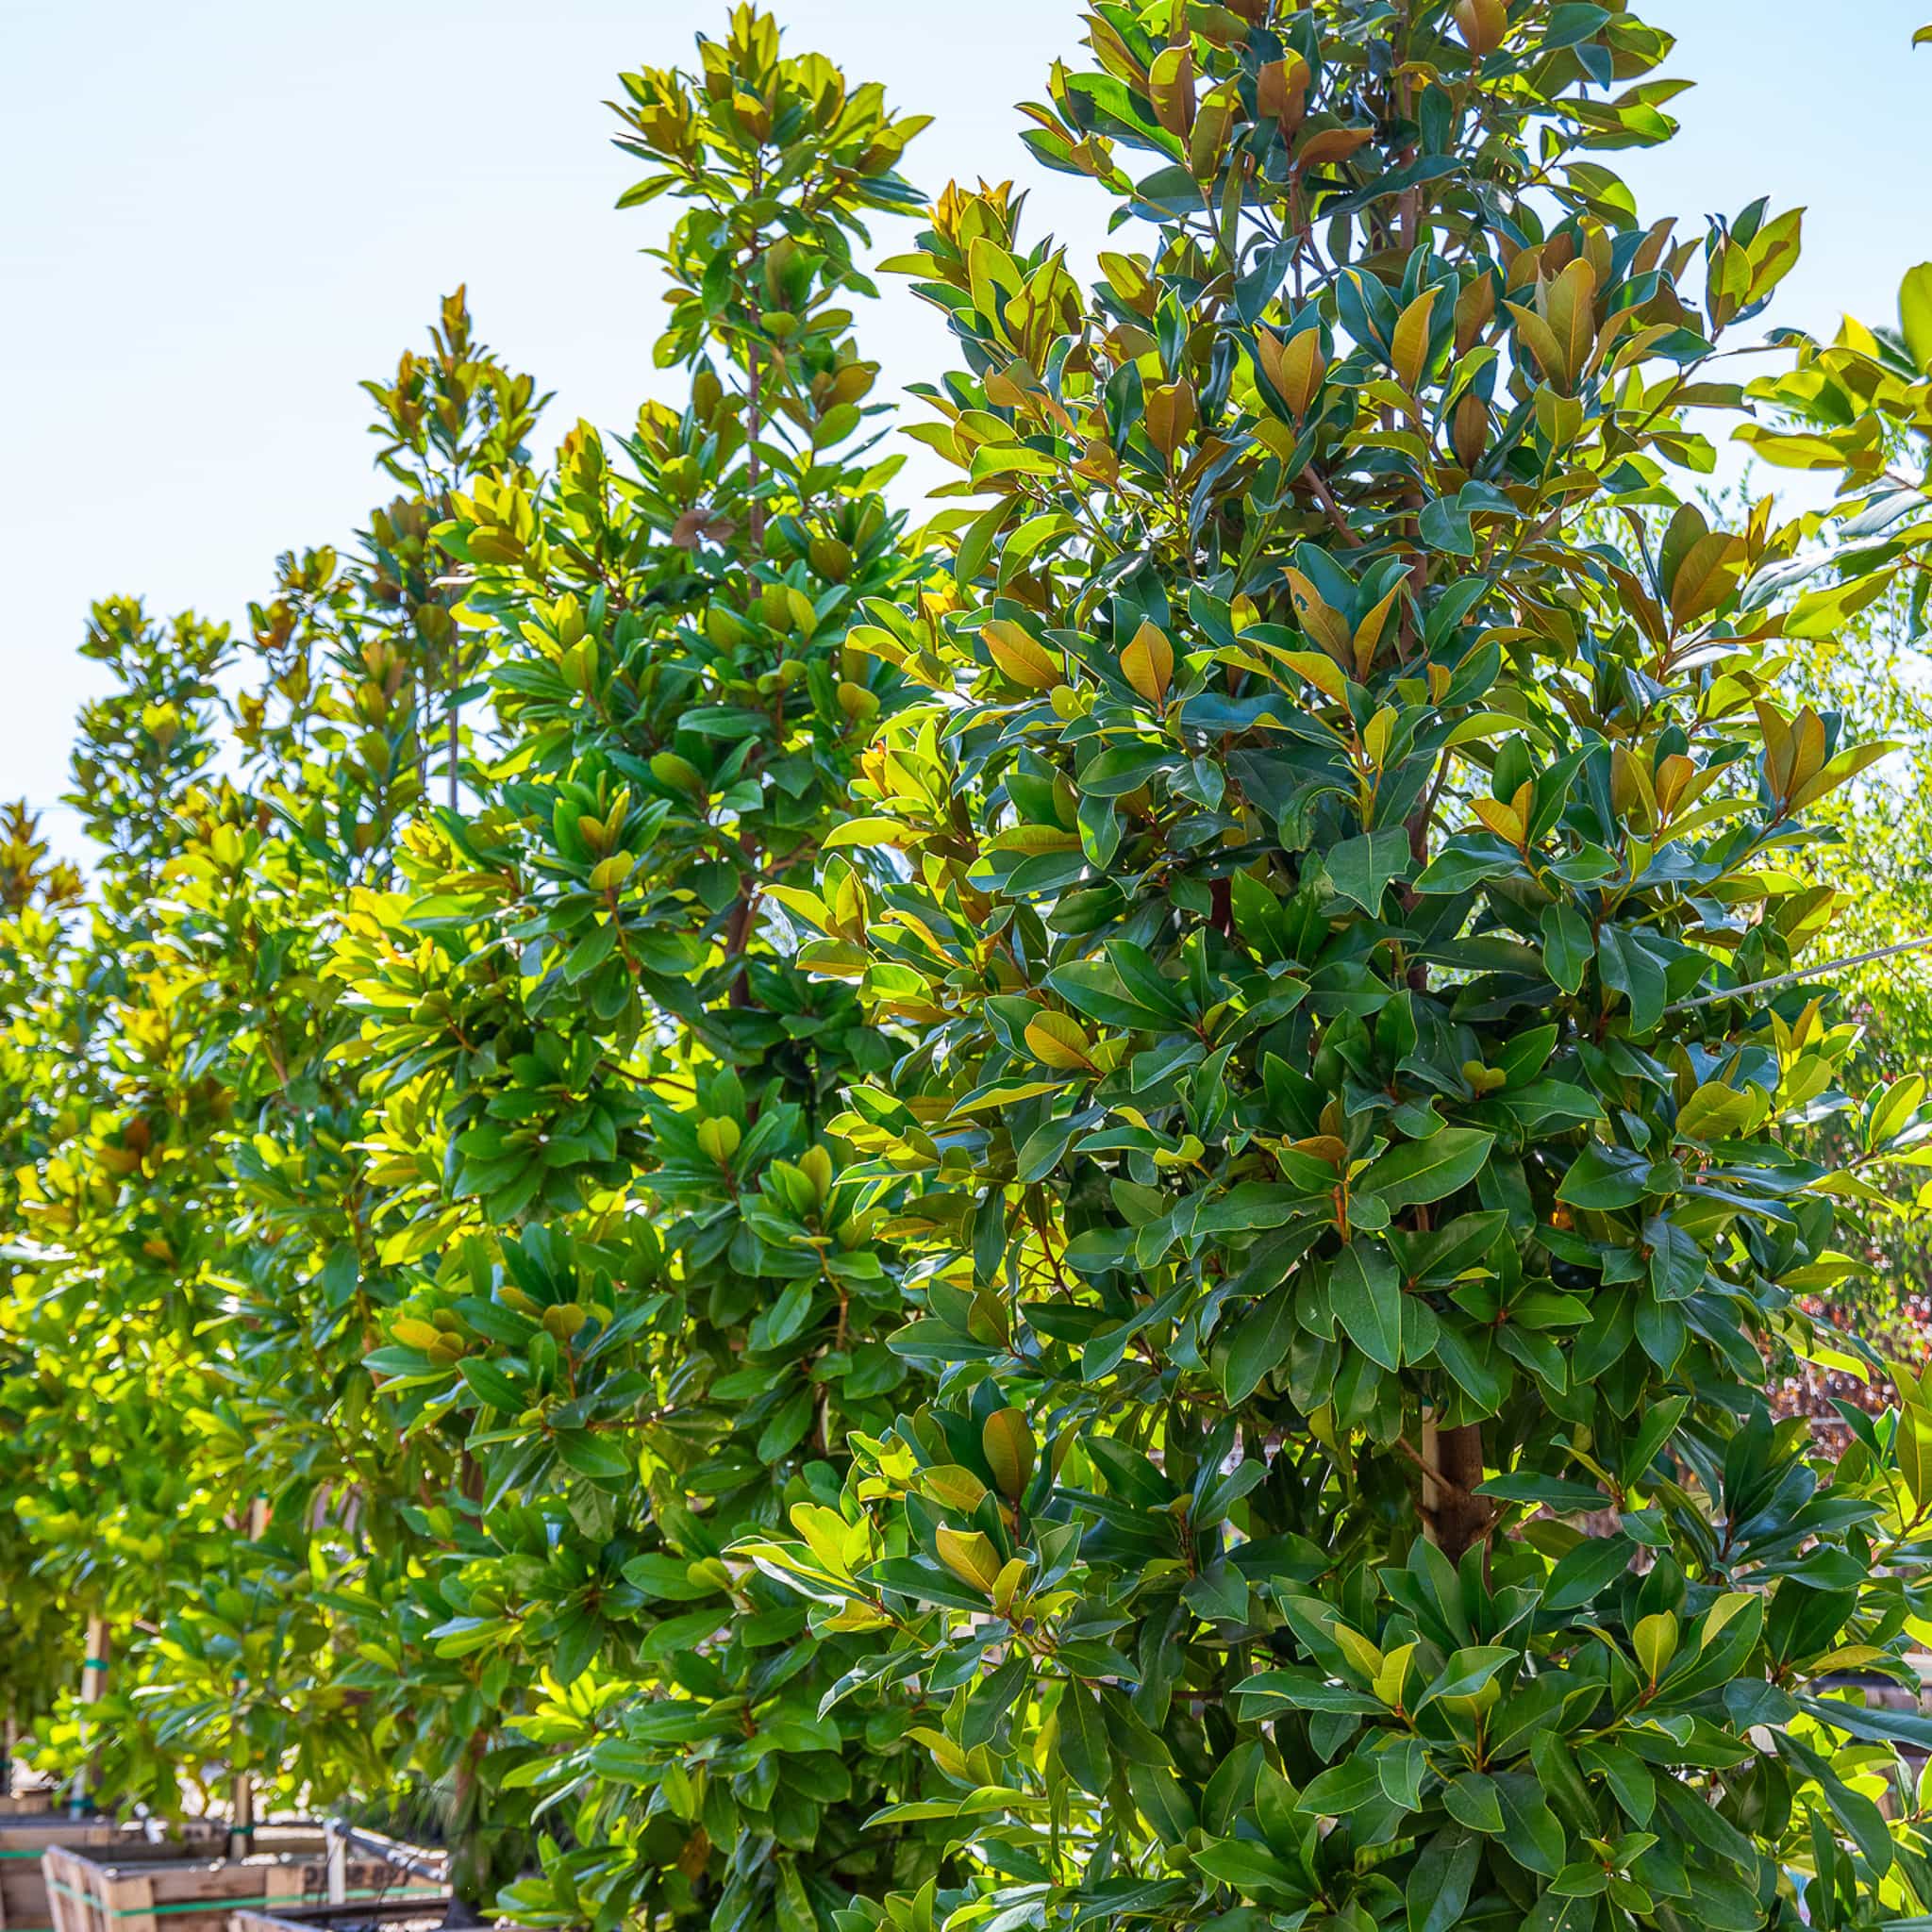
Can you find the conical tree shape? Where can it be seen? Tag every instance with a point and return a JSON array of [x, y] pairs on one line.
[[606, 1080], [197, 1461]]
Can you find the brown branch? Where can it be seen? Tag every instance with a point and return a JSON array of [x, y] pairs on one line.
[[1322, 495], [753, 425]]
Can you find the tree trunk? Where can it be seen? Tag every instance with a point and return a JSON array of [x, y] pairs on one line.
[[1453, 1516], [469, 1841]]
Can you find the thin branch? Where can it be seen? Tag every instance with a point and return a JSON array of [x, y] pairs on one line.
[[1325, 497], [1736, 992], [1449, 1488]]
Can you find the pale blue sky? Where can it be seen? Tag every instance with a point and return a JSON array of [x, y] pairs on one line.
[[223, 213]]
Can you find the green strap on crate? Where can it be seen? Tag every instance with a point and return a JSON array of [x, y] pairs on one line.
[[217, 1905]]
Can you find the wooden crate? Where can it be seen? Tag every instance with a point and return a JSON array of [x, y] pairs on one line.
[[22, 1841], [94, 1890], [376, 1915], [346, 1842], [420, 1906], [35, 1833], [310, 1839]]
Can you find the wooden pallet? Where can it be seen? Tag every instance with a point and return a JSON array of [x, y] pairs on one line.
[[100, 1892]]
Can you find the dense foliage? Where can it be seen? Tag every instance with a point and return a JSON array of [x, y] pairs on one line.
[[1359, 1193], [1077, 1218], [602, 1088], [1860, 408], [200, 1460]]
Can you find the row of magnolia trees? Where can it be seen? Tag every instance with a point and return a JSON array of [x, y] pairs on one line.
[[1079, 1217]]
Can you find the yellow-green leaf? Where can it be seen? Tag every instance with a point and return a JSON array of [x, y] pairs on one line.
[[970, 1556], [1021, 655], [1007, 1442], [1058, 1042], [1147, 663]]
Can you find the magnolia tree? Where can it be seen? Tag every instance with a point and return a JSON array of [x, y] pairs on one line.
[[1860, 405], [1077, 1219], [646, 1296], [38, 901], [109, 1137], [1344, 917], [196, 1463]]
